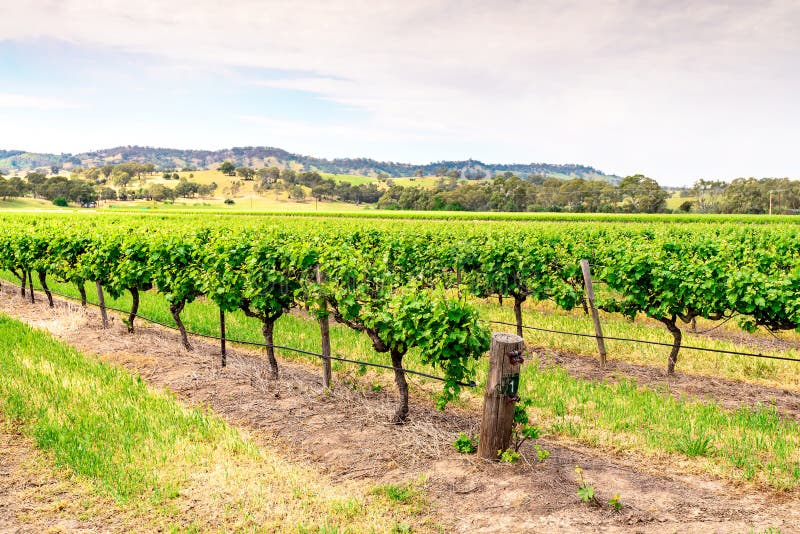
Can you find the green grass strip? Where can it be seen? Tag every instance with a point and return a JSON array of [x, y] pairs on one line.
[[98, 420], [753, 444]]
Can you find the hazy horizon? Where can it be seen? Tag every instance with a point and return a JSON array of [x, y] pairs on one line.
[[672, 90]]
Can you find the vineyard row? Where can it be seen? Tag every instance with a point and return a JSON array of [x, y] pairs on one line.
[[406, 287]]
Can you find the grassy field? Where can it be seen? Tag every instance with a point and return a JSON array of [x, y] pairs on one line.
[[752, 444], [675, 200], [352, 179], [27, 204], [164, 466], [426, 182], [242, 203]]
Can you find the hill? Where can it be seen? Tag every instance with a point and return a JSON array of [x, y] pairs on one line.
[[170, 158]]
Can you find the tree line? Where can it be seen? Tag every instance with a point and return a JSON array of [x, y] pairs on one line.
[[276, 179], [86, 188], [509, 192], [743, 195]]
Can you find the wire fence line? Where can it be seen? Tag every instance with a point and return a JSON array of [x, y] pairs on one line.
[[647, 342], [434, 377], [470, 384]]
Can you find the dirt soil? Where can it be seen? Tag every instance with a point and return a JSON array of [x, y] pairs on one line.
[[347, 434]]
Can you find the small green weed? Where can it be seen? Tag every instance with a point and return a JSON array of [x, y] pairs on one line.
[[615, 503], [694, 445], [585, 490], [508, 456], [465, 444], [541, 454]]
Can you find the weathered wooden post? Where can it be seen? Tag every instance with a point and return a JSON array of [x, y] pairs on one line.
[[101, 302], [325, 334], [502, 386], [598, 331]]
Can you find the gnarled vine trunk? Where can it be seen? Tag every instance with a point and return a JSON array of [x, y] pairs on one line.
[[134, 307], [101, 302], [82, 291], [30, 287], [518, 314], [23, 280], [401, 414], [267, 329], [676, 344], [175, 309], [43, 282]]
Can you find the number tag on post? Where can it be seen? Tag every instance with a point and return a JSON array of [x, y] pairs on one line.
[[509, 385]]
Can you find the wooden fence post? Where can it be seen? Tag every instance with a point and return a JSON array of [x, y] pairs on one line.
[[325, 334], [101, 301], [502, 385], [598, 332], [222, 337]]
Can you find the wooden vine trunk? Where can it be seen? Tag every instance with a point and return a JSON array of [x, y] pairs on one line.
[[502, 385]]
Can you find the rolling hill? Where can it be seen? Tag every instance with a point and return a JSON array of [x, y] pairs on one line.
[[170, 158]]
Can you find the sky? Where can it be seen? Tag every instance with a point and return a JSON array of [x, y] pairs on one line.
[[677, 90]]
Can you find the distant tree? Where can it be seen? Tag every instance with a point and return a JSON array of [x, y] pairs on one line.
[[159, 193], [234, 187], [227, 168], [710, 195], [121, 178], [297, 193], [82, 192], [54, 169], [11, 188], [246, 173], [746, 195], [108, 193], [93, 174], [419, 173], [324, 189], [186, 189], [288, 176], [642, 194], [107, 170], [35, 180]]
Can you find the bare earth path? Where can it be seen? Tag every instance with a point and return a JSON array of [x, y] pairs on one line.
[[348, 436]]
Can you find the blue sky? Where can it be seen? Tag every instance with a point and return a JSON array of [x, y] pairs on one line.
[[676, 90], [87, 97]]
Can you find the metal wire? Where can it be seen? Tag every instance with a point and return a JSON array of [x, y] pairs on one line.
[[470, 384], [646, 342]]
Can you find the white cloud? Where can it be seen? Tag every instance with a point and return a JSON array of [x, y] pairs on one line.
[[671, 88]]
